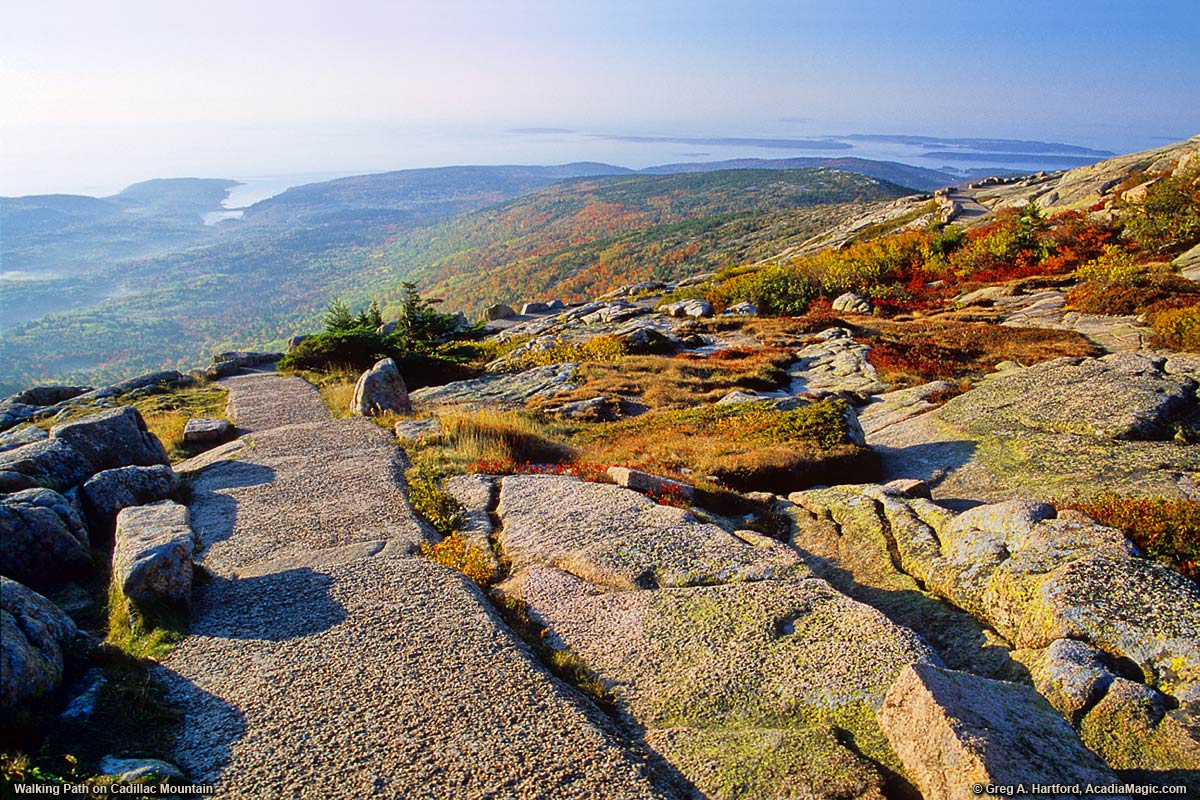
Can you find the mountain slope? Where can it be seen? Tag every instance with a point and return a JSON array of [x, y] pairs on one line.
[[582, 238]]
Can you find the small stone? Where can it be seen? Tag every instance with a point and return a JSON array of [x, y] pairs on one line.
[[908, 487], [207, 431], [646, 483], [850, 303]]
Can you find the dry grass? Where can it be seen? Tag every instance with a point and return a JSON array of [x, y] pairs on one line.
[[493, 435], [750, 446], [908, 353], [663, 382]]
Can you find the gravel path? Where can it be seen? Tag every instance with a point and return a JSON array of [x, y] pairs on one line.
[[325, 660]]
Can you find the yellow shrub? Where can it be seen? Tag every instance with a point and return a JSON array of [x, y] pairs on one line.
[[456, 553], [1116, 267], [1178, 328]]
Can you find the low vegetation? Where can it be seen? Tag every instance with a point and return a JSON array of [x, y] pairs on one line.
[[746, 446], [920, 351], [1166, 530], [666, 382]]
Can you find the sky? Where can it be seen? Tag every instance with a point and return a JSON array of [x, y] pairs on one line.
[[100, 93]]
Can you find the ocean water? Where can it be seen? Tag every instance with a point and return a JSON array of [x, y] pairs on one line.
[[267, 160]]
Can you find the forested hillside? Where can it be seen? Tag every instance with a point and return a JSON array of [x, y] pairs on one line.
[[471, 235], [582, 238]]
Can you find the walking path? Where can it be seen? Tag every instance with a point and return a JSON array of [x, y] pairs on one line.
[[327, 660]]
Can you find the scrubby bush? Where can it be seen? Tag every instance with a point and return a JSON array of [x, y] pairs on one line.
[[775, 290], [1167, 218], [356, 341], [1178, 328], [1116, 283]]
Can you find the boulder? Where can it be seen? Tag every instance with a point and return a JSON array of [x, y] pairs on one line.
[[688, 308], [296, 341], [555, 305], [47, 395], [49, 463], [1134, 727], [113, 438], [498, 311], [21, 436], [43, 538], [641, 339], [534, 308], [380, 390], [851, 303], [953, 729], [152, 556], [1072, 675], [743, 309], [651, 484], [597, 409], [13, 414], [33, 636], [207, 431], [107, 492], [388, 328]]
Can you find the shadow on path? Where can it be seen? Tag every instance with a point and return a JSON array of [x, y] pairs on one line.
[[274, 607]]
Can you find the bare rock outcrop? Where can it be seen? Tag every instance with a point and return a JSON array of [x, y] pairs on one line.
[[952, 730], [739, 666], [1038, 579]]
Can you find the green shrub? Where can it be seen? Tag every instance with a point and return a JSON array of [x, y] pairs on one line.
[[775, 290], [1167, 218]]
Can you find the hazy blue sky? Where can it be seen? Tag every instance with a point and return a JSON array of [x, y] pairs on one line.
[[104, 92]]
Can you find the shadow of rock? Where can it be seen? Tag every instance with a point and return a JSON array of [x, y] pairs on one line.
[[957, 637], [213, 514], [931, 462], [204, 746], [231, 474], [274, 607]]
